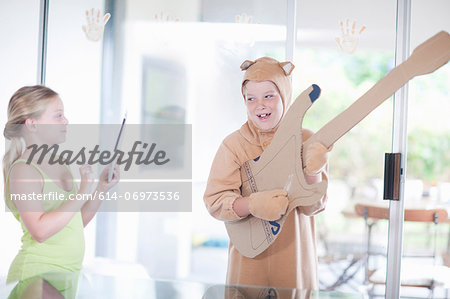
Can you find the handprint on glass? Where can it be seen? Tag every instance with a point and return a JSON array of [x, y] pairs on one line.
[[162, 17], [243, 19], [348, 42], [95, 26]]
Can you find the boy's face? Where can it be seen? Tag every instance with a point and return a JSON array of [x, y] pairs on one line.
[[264, 104]]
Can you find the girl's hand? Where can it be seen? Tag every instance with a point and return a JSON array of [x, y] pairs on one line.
[[87, 179], [103, 184]]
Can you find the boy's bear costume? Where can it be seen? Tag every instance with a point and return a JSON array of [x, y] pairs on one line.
[[291, 261]]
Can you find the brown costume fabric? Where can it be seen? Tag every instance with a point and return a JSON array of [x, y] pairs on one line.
[[291, 261]]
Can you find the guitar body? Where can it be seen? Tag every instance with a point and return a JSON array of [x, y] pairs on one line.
[[279, 167]]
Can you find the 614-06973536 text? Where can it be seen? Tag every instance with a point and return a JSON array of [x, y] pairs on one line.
[[140, 195]]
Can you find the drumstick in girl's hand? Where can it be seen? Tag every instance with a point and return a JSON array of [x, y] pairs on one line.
[[113, 163]]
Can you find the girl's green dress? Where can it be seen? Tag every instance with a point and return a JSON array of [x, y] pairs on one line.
[[58, 259]]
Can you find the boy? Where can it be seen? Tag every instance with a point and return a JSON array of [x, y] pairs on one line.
[[291, 260]]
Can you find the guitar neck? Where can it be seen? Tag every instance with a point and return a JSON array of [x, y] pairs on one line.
[[345, 121], [426, 58]]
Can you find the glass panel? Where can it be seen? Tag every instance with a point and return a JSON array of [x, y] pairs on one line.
[[346, 51], [74, 61], [163, 62], [428, 171], [19, 26], [180, 63], [74, 64]]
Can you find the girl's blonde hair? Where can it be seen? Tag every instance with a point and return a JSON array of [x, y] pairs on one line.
[[27, 102]]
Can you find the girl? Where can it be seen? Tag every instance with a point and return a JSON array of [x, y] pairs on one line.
[[53, 242], [291, 260]]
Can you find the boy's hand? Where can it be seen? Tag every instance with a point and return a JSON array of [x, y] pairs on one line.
[[268, 205], [315, 158]]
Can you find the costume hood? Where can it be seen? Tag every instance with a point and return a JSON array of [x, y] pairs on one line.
[[267, 69]]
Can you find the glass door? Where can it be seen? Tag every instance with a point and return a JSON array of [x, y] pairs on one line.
[[181, 65], [73, 68], [426, 235], [346, 50]]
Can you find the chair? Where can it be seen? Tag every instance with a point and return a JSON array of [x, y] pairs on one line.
[[412, 275]]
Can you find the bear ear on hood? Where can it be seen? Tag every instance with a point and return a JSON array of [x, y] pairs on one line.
[[287, 67], [246, 64]]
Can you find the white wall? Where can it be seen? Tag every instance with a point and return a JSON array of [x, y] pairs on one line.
[[18, 61]]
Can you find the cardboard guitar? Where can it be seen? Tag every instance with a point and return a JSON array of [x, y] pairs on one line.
[[280, 165]]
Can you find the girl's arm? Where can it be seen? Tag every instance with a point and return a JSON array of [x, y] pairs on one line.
[[91, 207], [25, 180]]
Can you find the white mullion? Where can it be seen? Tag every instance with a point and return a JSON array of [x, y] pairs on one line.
[[291, 29], [42, 44], [399, 145]]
